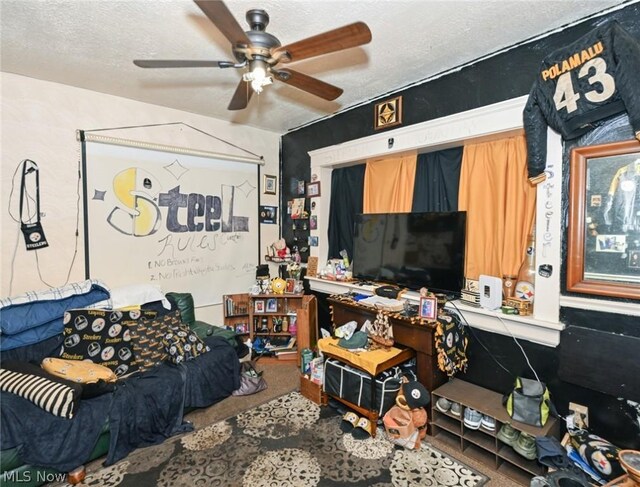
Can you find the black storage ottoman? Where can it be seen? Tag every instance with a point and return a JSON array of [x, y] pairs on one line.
[[353, 385]]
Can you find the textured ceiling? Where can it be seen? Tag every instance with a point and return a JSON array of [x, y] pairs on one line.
[[90, 44]]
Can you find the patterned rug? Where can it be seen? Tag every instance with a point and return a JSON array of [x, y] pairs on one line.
[[287, 442]]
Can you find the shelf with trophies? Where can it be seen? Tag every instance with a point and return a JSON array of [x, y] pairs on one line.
[[282, 319]]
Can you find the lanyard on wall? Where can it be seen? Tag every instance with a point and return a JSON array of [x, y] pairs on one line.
[[32, 230]]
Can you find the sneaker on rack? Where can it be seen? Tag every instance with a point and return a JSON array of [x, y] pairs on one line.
[[488, 423], [507, 434], [472, 418], [525, 445], [443, 405], [456, 409]]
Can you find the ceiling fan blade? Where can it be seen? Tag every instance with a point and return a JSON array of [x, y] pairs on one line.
[[351, 35], [176, 63], [222, 18], [308, 84], [241, 97]]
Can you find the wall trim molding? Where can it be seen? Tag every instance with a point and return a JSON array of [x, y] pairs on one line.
[[618, 307], [495, 120]]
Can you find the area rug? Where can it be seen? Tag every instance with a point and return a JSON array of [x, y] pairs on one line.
[[286, 442]]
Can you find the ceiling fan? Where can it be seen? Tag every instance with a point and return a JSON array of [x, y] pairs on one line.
[[261, 52]]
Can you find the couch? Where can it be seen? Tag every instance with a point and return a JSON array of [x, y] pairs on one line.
[[144, 409]]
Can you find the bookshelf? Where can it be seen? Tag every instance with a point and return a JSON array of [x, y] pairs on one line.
[[278, 318], [236, 312]]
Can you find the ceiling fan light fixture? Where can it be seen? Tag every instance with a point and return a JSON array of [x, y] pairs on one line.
[[258, 75]]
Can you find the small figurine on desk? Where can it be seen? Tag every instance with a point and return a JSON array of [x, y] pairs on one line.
[[381, 331], [295, 256]]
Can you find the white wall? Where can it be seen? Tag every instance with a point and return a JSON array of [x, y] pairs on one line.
[[39, 120]]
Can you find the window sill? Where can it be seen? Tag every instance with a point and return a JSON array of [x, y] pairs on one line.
[[524, 327]]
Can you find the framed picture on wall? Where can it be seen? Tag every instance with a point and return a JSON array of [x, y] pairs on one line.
[[297, 208], [313, 189], [270, 184], [268, 214], [603, 246], [388, 113]]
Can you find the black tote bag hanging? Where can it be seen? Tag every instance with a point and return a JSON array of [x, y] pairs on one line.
[[34, 237]]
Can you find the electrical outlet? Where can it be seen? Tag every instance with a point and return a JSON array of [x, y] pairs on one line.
[[580, 411]]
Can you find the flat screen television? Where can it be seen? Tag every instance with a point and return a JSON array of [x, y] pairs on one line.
[[411, 250]]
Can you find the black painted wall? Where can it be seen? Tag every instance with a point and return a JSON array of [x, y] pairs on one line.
[[502, 77]]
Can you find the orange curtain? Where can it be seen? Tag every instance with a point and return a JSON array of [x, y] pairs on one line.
[[500, 206], [388, 184]]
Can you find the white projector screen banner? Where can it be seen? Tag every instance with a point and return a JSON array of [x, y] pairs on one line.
[[186, 223]]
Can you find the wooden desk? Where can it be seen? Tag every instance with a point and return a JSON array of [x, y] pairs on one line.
[[419, 337]]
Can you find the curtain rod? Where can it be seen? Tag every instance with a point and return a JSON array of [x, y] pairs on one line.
[[103, 139]]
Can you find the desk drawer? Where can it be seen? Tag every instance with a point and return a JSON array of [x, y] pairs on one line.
[[353, 385]]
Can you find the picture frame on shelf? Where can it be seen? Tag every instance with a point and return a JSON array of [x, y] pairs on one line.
[[241, 328], [312, 266], [291, 286], [258, 306], [428, 308], [603, 245], [270, 184], [272, 305], [313, 189]]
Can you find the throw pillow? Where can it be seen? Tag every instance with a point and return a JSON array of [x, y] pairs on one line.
[[182, 344], [56, 396], [102, 336], [146, 337], [80, 371]]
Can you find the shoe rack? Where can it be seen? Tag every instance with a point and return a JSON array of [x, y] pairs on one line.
[[483, 445]]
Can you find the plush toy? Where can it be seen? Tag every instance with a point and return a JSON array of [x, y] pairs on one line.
[[280, 248], [278, 285]]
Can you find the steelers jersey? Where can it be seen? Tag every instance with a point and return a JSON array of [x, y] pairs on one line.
[[593, 78]]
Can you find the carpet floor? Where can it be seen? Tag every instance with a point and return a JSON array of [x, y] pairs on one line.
[[279, 438], [286, 442]]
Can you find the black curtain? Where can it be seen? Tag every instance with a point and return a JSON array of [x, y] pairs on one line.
[[437, 179], [347, 186]]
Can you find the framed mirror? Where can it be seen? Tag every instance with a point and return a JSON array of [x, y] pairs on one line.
[[603, 251]]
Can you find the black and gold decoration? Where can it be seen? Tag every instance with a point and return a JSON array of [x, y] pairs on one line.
[[102, 336], [388, 113], [451, 344], [268, 214]]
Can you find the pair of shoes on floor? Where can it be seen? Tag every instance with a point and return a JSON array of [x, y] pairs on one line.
[[523, 443], [444, 405], [360, 428]]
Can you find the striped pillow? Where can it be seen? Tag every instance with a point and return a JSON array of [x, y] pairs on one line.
[[56, 396]]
